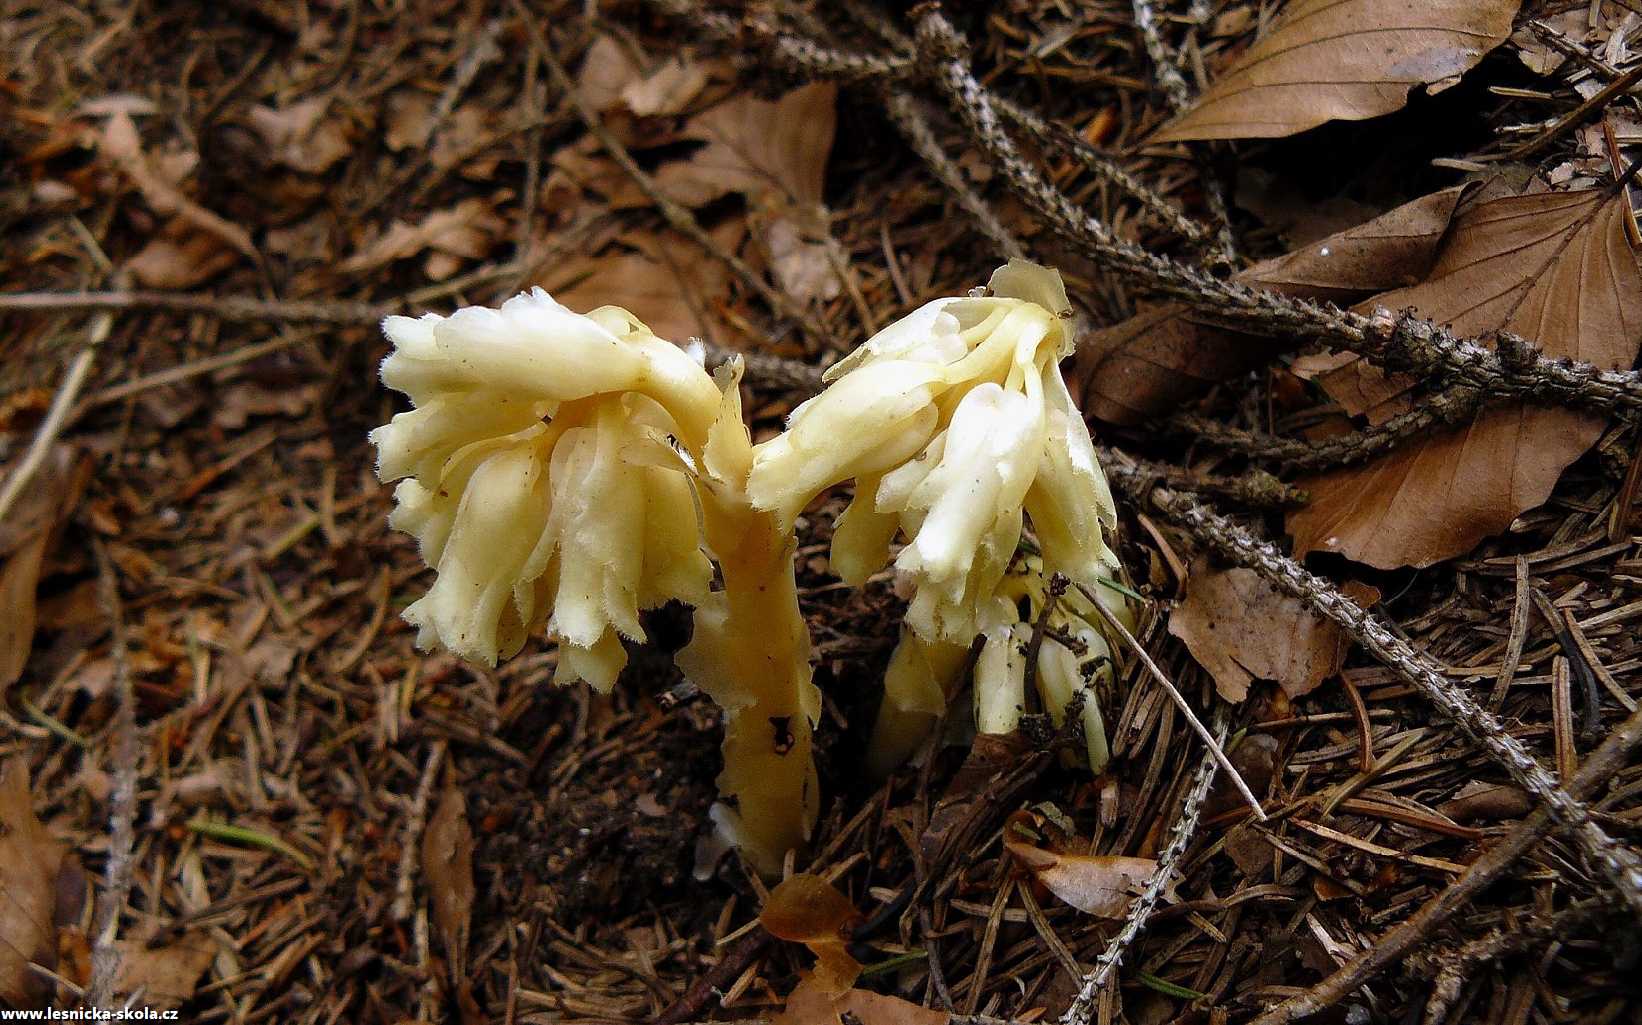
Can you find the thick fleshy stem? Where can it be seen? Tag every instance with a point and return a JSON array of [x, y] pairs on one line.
[[750, 653]]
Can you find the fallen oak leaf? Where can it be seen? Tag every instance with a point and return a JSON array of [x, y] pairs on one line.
[[660, 280], [1240, 629], [180, 257], [1345, 60], [1555, 267], [807, 909]]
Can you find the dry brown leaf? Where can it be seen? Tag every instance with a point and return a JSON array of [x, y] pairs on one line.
[[26, 537], [464, 232], [990, 758], [666, 90], [166, 977], [1345, 60], [409, 119], [1556, 268], [1240, 629], [180, 257], [121, 145], [301, 137], [30, 859], [667, 283], [1151, 363], [807, 909], [799, 257], [758, 147], [608, 68], [811, 1004], [447, 865], [1102, 885]]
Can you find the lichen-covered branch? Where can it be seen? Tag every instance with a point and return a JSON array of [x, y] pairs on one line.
[[1290, 454], [1620, 865]]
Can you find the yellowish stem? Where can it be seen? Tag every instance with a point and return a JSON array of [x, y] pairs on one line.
[[750, 654]]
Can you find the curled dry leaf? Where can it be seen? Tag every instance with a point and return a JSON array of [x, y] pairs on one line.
[[809, 910], [1102, 885], [1345, 60], [1240, 629], [1553, 267], [447, 865], [811, 1004], [123, 148], [1151, 363], [30, 859]]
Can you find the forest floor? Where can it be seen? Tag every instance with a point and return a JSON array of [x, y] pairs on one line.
[[216, 724]]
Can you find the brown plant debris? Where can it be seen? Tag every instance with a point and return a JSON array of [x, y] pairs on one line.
[[205, 211], [1325, 60]]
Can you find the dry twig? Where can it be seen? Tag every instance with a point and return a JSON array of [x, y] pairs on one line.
[[1620, 865]]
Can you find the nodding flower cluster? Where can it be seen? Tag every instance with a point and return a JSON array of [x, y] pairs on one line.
[[567, 471]]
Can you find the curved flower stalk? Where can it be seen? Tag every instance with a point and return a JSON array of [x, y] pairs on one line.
[[956, 426], [568, 471]]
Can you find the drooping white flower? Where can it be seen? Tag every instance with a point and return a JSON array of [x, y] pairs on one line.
[[536, 472], [957, 427], [1000, 679]]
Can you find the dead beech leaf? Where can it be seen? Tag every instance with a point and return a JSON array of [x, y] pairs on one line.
[[301, 137], [1102, 885], [607, 69], [799, 258], [121, 145], [666, 90], [1342, 60], [447, 864], [1554, 267], [1149, 364], [30, 859], [180, 257], [26, 538], [987, 764], [758, 147], [811, 1004], [1240, 629], [466, 231], [809, 910], [664, 281], [167, 976]]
